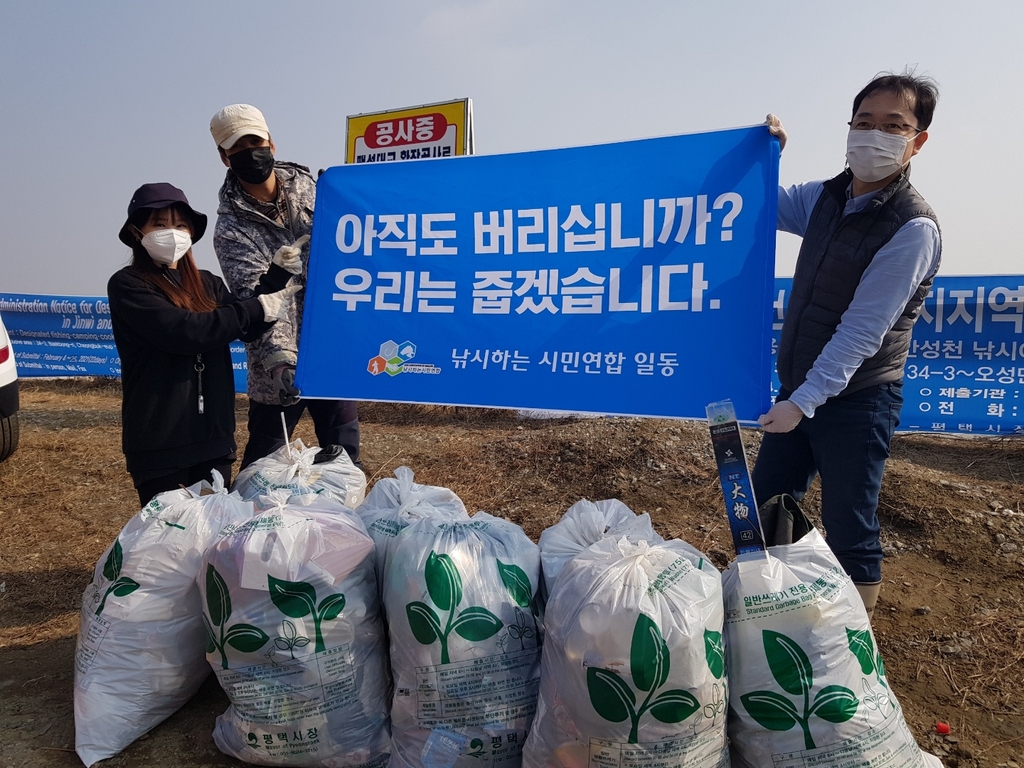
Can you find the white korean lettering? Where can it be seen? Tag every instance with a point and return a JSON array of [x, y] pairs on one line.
[[393, 229], [648, 223], [523, 231], [928, 317], [353, 291], [577, 241], [585, 298], [618, 241], [496, 235], [438, 235], [960, 312], [665, 272], [553, 229], [1001, 299], [779, 305], [703, 218], [492, 293], [385, 134], [436, 290], [668, 362], [395, 288], [424, 128], [369, 234], [545, 283], [349, 244], [405, 130]]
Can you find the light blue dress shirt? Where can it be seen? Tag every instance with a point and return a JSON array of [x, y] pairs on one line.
[[888, 283]]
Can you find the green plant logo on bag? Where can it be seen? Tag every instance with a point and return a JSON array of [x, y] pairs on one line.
[[297, 599], [792, 671], [444, 586], [615, 701], [121, 585], [517, 583], [242, 637], [863, 647]]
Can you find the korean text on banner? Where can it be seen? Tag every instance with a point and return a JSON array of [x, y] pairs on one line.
[[444, 129], [965, 367], [630, 278]]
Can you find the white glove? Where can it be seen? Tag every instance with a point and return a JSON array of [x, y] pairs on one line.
[[781, 417], [775, 129], [290, 256], [274, 303]]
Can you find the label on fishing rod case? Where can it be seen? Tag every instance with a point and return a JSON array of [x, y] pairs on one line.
[[740, 505]]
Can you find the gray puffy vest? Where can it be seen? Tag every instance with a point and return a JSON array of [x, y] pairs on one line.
[[835, 252]]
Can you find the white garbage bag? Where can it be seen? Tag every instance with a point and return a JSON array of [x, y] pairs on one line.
[[808, 682], [585, 523], [633, 669], [294, 467], [296, 638], [141, 645], [461, 597], [395, 502]]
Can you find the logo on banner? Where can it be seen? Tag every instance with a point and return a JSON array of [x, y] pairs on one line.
[[393, 359]]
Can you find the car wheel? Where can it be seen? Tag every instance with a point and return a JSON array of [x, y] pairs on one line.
[[9, 433]]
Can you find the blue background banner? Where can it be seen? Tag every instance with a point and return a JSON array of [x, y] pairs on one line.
[[965, 373], [631, 278], [965, 370], [60, 336]]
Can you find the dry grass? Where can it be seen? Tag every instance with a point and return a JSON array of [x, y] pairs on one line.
[[65, 495]]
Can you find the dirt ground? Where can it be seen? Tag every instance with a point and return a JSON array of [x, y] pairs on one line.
[[950, 621]]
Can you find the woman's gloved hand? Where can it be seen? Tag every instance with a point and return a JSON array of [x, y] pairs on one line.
[[274, 303], [290, 256]]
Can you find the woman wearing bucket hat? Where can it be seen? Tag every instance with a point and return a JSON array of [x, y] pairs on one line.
[[172, 325]]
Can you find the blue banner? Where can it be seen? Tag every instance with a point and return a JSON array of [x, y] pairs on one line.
[[632, 278], [965, 370], [58, 336]]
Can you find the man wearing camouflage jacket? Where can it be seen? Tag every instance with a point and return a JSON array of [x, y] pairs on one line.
[[266, 207]]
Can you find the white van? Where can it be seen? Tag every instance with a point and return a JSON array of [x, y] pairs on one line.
[[9, 401]]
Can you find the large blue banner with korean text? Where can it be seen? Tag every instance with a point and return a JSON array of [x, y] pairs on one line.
[[965, 370], [630, 278], [61, 336]]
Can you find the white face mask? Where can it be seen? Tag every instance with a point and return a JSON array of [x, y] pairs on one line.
[[873, 155], [166, 246]]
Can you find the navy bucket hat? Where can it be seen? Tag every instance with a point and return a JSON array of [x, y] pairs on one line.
[[156, 196]]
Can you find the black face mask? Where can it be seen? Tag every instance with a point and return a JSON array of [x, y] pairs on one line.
[[253, 166]]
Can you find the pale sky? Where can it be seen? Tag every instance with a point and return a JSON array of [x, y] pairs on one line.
[[97, 98]]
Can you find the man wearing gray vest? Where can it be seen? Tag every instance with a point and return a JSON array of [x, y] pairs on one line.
[[871, 246]]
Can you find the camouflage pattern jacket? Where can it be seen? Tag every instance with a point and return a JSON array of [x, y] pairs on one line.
[[245, 240]]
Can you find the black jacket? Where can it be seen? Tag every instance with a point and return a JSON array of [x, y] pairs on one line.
[[834, 255], [161, 347]]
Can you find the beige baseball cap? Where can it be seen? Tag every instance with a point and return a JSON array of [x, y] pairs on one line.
[[235, 121]]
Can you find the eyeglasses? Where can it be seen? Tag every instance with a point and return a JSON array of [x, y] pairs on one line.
[[896, 129]]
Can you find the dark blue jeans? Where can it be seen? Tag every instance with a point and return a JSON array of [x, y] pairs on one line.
[[336, 422], [846, 443]]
